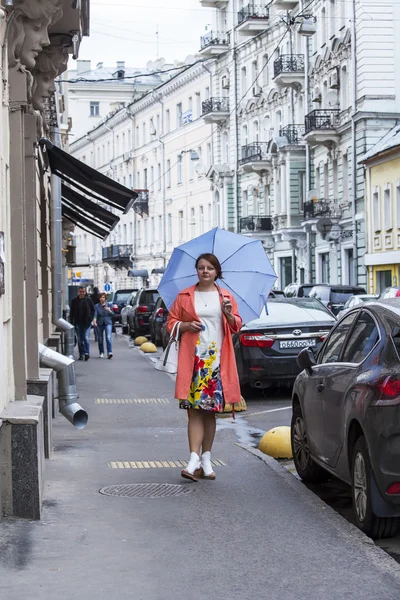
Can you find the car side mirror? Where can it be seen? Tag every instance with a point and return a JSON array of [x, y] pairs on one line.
[[306, 360]]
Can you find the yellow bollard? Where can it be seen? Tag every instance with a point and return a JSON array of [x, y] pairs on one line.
[[139, 341], [276, 443], [148, 348]]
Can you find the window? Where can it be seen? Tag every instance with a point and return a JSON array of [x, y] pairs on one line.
[[193, 222], [145, 232], [158, 124], [94, 109], [160, 229], [326, 181], [207, 93], [152, 179], [335, 178], [117, 152], [244, 135], [137, 136], [123, 142], [152, 231], [243, 81], [169, 228], [192, 164], [362, 340], [345, 173], [256, 131], [324, 267], [145, 181], [266, 70], [200, 154], [331, 350], [285, 271], [198, 104], [201, 219], [344, 89], [190, 103], [387, 207], [138, 180], [179, 168], [167, 121], [209, 154], [181, 225], [332, 17], [159, 176], [225, 147], [302, 190], [254, 71], [376, 209], [168, 173], [144, 133], [179, 114]]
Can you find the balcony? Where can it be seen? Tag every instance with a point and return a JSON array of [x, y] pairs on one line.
[[214, 3], [256, 224], [215, 110], [118, 256], [315, 209], [255, 157], [321, 127], [252, 19], [285, 4], [293, 134], [289, 71], [214, 43]]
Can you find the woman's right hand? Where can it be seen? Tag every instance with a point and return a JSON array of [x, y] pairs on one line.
[[193, 326]]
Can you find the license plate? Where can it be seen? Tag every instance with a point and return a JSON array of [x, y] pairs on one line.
[[298, 344]]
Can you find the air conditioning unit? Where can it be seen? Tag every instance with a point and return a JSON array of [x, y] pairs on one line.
[[225, 82], [257, 91], [334, 83]]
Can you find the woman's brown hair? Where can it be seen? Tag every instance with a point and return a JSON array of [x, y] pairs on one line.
[[213, 260], [103, 294]]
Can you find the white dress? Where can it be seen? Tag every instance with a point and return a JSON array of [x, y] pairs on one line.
[[206, 388]]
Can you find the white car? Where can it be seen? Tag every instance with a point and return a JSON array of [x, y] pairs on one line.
[[355, 301]]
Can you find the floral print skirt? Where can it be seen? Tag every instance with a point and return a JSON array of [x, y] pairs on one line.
[[206, 387]]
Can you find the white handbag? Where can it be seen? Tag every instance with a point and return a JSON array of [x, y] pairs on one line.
[[168, 362]]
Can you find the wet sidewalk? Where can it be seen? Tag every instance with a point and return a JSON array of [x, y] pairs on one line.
[[250, 534]]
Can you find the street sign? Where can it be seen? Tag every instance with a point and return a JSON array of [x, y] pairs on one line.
[[107, 287]]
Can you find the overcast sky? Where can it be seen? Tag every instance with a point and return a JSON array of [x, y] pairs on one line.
[[126, 30]]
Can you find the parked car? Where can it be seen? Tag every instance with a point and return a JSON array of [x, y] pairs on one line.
[[125, 313], [118, 302], [334, 297], [298, 290], [140, 311], [346, 413], [354, 301], [276, 294], [266, 348], [390, 292], [157, 320]]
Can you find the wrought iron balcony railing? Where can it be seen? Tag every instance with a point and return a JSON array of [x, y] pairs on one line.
[[255, 223], [215, 105], [252, 11], [257, 151], [293, 133], [217, 38], [289, 63], [117, 251], [321, 119], [314, 209]]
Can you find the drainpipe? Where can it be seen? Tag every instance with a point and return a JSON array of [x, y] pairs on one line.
[[353, 140], [67, 391], [65, 398], [236, 131]]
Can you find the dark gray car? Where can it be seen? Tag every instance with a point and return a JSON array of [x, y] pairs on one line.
[[346, 413]]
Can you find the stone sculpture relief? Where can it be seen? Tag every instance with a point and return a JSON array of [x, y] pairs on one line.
[[50, 63], [28, 35]]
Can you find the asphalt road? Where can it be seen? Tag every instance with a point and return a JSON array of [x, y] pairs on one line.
[[254, 532]]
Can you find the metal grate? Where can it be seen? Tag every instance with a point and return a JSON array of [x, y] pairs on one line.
[[132, 401], [156, 464], [147, 490]]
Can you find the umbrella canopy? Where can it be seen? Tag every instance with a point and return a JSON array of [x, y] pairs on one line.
[[246, 269]]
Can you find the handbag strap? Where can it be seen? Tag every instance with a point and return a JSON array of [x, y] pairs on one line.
[[175, 331]]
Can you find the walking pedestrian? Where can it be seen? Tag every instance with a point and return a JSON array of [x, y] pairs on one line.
[[207, 376], [103, 324], [95, 296], [81, 316]]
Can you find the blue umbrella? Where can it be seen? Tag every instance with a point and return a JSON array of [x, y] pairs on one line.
[[246, 269]]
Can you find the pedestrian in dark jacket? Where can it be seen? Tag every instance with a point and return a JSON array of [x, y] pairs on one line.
[[103, 322], [95, 296], [81, 316]]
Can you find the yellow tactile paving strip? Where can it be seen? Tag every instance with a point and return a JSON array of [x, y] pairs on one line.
[[156, 464], [132, 401]]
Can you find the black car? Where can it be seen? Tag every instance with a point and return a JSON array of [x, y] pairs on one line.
[[335, 297], [346, 413], [266, 349], [157, 321], [118, 302], [140, 311]]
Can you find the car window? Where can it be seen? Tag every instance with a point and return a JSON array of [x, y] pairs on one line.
[[322, 293], [362, 339], [122, 296], [304, 290], [340, 296], [149, 297], [333, 347]]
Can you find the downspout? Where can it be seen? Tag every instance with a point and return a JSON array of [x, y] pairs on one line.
[[236, 129], [67, 400], [353, 140], [67, 391], [163, 183]]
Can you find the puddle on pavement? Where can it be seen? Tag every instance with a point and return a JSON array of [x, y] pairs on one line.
[[244, 432]]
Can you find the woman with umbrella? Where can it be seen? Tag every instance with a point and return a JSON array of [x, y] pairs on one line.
[[207, 376]]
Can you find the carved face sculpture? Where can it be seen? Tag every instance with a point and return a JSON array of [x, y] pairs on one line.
[[36, 38], [44, 86], [50, 63]]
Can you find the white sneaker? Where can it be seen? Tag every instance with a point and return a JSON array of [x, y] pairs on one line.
[[206, 466], [101, 356], [194, 465]]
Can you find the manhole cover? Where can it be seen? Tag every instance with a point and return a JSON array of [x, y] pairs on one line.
[[147, 490]]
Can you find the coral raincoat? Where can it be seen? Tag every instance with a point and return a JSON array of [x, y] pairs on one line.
[[183, 309]]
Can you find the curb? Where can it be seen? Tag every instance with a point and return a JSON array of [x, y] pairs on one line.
[[383, 561]]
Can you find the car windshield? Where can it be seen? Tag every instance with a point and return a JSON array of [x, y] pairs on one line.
[[340, 296], [122, 296], [288, 312]]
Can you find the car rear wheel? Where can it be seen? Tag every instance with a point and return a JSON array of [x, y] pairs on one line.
[[366, 520], [307, 469]]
